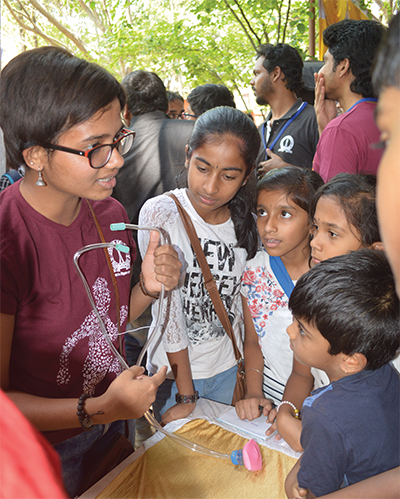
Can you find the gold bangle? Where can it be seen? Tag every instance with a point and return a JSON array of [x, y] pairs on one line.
[[252, 369], [144, 290]]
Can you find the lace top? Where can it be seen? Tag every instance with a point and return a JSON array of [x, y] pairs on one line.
[[189, 318]]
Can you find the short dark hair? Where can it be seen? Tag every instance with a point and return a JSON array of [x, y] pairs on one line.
[[46, 91], [145, 92], [351, 299], [208, 96], [174, 96], [213, 127], [288, 59], [386, 71], [299, 184], [356, 195], [358, 42]]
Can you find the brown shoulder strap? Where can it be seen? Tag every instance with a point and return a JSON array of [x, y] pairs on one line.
[[209, 281], [113, 278]]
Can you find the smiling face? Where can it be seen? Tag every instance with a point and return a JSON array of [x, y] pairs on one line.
[[283, 226], [261, 82], [216, 172], [388, 190], [71, 176], [332, 233]]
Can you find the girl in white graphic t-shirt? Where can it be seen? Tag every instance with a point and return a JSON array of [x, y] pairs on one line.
[[221, 155]]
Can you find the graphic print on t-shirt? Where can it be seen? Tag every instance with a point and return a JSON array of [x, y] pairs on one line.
[[202, 321], [100, 360], [122, 266]]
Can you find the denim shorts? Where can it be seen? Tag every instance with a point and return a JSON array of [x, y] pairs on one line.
[[218, 388], [73, 451]]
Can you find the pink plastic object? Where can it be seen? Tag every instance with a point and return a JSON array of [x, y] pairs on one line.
[[250, 456]]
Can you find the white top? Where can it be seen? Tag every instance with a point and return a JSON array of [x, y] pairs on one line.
[[189, 317]]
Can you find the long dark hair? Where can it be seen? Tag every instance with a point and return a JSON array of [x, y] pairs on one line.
[[46, 91], [227, 121]]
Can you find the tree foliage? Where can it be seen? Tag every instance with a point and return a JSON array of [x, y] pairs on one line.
[[187, 42]]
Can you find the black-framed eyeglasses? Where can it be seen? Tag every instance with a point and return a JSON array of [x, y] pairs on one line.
[[188, 115], [173, 115], [100, 155]]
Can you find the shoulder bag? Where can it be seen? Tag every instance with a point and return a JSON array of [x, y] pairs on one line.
[[209, 283]]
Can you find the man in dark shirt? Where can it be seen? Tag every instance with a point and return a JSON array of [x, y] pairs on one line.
[[290, 132]]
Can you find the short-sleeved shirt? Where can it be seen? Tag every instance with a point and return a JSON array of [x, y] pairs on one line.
[[58, 349], [350, 430], [268, 306], [346, 143], [298, 142]]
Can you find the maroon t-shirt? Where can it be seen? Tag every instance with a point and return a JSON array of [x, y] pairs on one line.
[[58, 349], [347, 143]]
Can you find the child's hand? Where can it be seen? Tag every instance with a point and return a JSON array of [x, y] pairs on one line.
[[250, 408], [161, 264], [177, 411]]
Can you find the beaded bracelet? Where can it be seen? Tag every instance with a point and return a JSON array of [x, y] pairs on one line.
[[84, 418], [144, 290], [187, 399], [296, 411]]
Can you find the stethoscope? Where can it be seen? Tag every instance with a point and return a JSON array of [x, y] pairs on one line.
[[250, 455]]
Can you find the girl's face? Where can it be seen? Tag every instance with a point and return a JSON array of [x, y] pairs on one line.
[[69, 175], [333, 235], [216, 173], [283, 226]]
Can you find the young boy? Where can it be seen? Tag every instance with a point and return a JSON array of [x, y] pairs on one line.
[[346, 322]]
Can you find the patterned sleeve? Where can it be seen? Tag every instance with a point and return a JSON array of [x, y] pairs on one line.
[[161, 212]]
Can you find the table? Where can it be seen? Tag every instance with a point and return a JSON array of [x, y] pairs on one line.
[[184, 465]]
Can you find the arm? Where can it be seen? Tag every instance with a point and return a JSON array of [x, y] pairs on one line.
[[180, 366], [325, 109], [292, 488], [298, 388], [248, 408], [385, 486], [128, 396]]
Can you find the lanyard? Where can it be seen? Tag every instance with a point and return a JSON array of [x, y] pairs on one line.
[[366, 99], [303, 105]]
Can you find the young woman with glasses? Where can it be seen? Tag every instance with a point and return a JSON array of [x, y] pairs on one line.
[[61, 120]]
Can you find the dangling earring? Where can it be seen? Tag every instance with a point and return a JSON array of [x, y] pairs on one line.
[[187, 165], [40, 182], [244, 183]]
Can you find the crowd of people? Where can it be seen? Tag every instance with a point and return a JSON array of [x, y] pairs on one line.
[[301, 237]]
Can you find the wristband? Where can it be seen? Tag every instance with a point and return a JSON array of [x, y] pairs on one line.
[[144, 290], [186, 399], [296, 411]]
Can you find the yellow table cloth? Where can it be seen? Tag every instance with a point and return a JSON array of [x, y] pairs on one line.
[[169, 470]]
